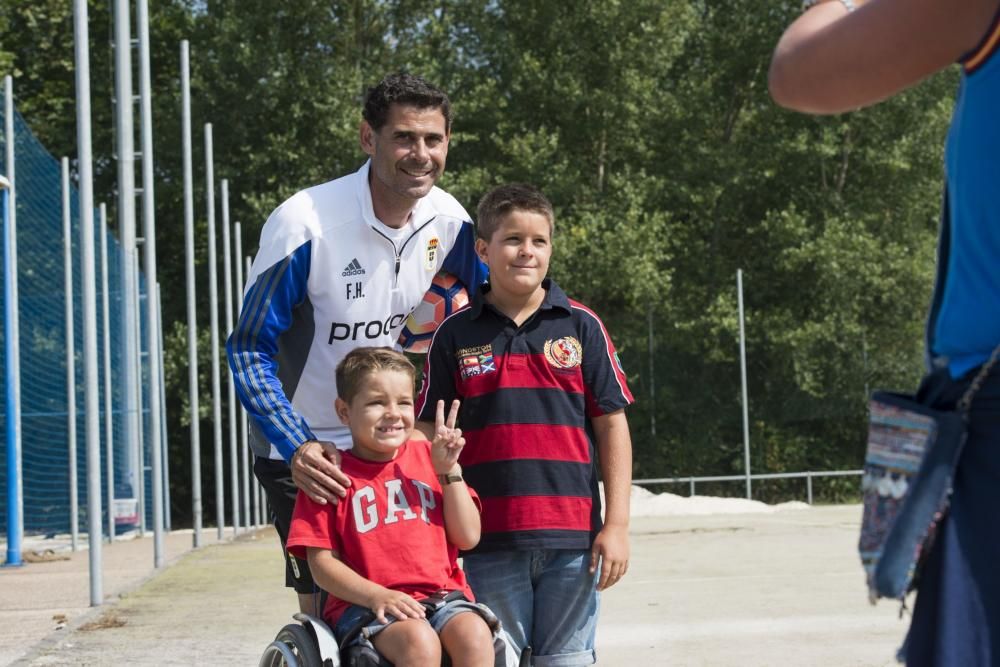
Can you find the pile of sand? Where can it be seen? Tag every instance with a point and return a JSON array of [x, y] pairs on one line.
[[647, 503]]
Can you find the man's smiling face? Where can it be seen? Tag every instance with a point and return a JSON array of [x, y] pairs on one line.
[[408, 153]]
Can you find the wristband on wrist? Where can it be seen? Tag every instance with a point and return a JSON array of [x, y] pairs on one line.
[[452, 476]]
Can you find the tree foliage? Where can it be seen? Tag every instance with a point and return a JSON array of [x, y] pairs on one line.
[[649, 126]]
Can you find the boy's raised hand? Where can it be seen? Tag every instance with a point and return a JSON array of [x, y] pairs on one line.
[[448, 440]]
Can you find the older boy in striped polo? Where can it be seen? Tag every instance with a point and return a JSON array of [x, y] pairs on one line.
[[541, 388]]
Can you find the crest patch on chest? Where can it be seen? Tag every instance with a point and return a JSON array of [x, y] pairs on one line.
[[564, 352], [430, 258]]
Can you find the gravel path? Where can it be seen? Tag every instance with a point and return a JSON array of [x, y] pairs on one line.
[[755, 589]]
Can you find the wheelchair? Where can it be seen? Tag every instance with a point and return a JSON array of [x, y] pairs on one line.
[[311, 643]]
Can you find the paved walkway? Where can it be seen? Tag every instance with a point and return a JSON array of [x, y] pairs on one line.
[[751, 589]]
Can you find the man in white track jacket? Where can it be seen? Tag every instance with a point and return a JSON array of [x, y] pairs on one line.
[[341, 265]]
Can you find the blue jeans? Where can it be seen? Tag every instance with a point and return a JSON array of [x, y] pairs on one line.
[[956, 619], [353, 615], [546, 599]]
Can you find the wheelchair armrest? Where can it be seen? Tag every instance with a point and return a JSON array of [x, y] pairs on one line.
[[329, 650]]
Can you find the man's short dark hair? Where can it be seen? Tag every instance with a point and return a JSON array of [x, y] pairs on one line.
[[503, 199], [407, 89]]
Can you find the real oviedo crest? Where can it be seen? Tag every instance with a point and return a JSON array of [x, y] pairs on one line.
[[430, 259], [564, 352]]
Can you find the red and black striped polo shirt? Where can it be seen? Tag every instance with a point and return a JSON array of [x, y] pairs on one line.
[[528, 394]]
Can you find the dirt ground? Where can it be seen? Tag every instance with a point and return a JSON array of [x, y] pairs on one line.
[[744, 589]]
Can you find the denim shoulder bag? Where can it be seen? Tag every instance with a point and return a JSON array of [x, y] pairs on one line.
[[913, 451]]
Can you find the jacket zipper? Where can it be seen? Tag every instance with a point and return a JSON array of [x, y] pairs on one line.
[[399, 253]]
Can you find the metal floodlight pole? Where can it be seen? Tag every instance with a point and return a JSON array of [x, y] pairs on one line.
[[743, 381], [227, 300], [88, 275], [149, 254], [192, 316], [126, 232], [245, 473], [109, 427], [74, 501], [164, 441], [213, 304]]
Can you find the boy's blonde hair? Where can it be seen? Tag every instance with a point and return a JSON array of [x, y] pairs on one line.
[[362, 361], [501, 200]]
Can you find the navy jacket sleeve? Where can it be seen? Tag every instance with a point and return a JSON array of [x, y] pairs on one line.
[[439, 376], [251, 349], [463, 262]]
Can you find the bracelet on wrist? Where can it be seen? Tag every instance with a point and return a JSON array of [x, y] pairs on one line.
[[452, 476]]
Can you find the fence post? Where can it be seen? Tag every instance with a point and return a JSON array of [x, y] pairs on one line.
[[140, 434], [12, 417], [192, 316], [149, 257], [809, 487], [227, 300], [81, 42], [213, 304], [743, 381], [245, 473], [109, 426], [74, 501], [125, 150], [692, 487]]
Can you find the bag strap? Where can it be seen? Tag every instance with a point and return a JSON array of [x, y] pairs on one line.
[[965, 402]]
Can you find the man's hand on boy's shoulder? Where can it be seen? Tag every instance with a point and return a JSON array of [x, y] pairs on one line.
[[315, 467], [610, 551]]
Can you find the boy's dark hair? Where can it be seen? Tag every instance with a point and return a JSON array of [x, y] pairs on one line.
[[403, 88], [362, 361], [503, 199]]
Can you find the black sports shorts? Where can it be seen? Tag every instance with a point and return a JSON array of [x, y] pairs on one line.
[[276, 478]]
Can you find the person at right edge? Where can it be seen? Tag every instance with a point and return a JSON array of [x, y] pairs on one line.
[[842, 55]]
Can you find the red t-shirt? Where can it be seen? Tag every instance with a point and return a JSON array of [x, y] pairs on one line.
[[389, 528]]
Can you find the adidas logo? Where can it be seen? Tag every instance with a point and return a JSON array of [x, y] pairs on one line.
[[353, 269]]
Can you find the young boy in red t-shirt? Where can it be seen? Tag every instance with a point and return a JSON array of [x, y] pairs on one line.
[[394, 539]]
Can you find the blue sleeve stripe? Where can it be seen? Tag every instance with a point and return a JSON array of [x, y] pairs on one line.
[[255, 375], [245, 341], [285, 415], [262, 375], [254, 344], [253, 365]]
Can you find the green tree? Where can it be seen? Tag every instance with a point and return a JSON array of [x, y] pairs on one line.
[[649, 126]]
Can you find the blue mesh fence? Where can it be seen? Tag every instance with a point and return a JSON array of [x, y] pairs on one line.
[[41, 309]]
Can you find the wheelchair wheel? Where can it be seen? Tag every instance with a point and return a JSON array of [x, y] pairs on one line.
[[293, 646]]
